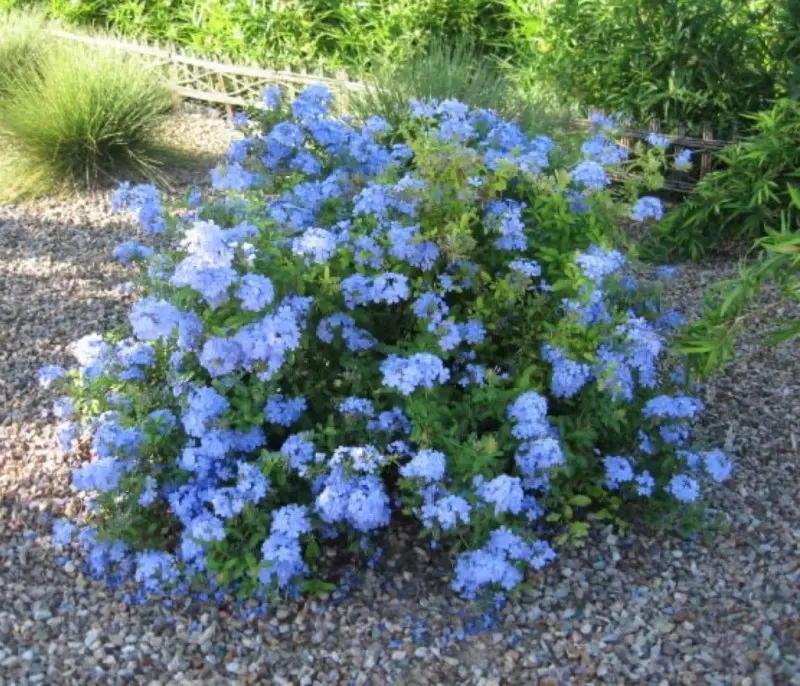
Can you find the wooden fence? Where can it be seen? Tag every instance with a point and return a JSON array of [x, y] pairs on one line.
[[681, 182], [219, 83], [236, 86]]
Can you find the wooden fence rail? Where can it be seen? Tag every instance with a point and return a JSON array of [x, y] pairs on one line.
[[237, 86], [218, 83]]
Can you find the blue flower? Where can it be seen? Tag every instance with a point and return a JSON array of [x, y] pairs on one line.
[[473, 332], [658, 141], [568, 376], [672, 407], [421, 370], [155, 569], [299, 452], [538, 455], [428, 465], [130, 251], [233, 177], [618, 471], [359, 501], [505, 217], [93, 354], [529, 268], [449, 335], [443, 509], [153, 319], [504, 492], [284, 560], [63, 532], [683, 488], [683, 160], [432, 307], [355, 339], [718, 465], [313, 103], [144, 199], [212, 283], [63, 408], [49, 374], [316, 245], [204, 406], [284, 411], [604, 151], [255, 291], [271, 97], [600, 120], [101, 475], [647, 207], [357, 407], [221, 356], [645, 483], [149, 492], [596, 264], [391, 421], [206, 528], [291, 521], [590, 175], [362, 458], [529, 411], [406, 245]]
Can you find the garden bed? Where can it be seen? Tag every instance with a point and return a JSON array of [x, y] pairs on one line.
[[645, 608]]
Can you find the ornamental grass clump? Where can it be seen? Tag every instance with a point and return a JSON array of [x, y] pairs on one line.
[[447, 69], [347, 330], [78, 117]]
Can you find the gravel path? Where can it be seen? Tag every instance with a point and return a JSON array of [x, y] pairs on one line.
[[644, 609]]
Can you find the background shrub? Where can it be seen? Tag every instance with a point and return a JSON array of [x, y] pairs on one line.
[[351, 34], [677, 60], [350, 326], [21, 45], [750, 192], [80, 116]]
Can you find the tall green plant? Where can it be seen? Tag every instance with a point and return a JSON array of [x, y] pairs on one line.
[[80, 117], [710, 342]]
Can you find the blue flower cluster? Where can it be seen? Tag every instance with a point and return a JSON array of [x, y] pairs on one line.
[[342, 310]]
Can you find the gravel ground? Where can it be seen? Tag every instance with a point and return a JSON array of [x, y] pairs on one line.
[[648, 608]]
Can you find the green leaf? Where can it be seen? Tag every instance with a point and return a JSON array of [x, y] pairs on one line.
[[316, 586], [580, 500], [579, 528]]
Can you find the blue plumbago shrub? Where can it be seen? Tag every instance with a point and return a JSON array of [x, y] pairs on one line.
[[347, 329]]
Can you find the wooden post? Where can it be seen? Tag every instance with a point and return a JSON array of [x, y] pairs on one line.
[[224, 87], [707, 156], [681, 132]]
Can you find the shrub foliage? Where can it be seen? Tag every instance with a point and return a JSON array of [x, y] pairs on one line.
[[676, 60], [751, 191], [348, 328]]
